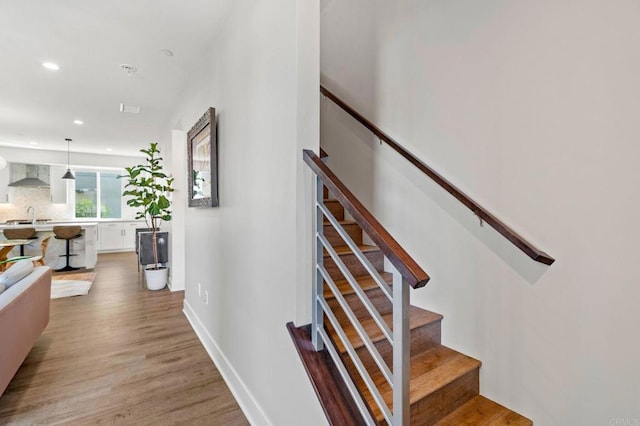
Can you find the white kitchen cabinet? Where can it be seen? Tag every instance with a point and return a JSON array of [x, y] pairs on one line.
[[58, 187], [129, 234], [118, 236], [5, 175], [110, 236]]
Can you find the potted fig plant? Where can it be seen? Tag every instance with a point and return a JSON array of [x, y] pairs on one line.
[[147, 188]]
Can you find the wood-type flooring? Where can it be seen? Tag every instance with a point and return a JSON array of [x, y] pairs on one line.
[[120, 355]]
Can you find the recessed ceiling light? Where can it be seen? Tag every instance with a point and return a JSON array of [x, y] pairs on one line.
[[33, 143], [166, 52], [78, 122], [51, 66], [109, 149]]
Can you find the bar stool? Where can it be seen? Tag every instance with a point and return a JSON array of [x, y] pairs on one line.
[[20, 234], [39, 260], [67, 233]]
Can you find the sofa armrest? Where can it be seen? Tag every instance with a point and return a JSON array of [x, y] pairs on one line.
[[22, 321]]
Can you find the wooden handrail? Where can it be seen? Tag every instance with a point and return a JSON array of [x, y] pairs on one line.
[[517, 240], [408, 268]]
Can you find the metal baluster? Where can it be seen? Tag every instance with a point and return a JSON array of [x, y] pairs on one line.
[[357, 325], [317, 317], [353, 389], [361, 257], [401, 408]]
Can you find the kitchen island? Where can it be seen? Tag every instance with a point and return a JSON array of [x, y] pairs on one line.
[[84, 247]]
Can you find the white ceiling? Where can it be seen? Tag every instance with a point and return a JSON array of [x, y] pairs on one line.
[[89, 39]]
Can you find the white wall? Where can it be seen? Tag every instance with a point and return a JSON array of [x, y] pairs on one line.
[[530, 107], [243, 253], [176, 165]]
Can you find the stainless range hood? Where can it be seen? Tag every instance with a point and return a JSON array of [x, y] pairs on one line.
[[29, 176]]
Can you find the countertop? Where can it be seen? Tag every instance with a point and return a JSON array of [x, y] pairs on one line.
[[49, 225]]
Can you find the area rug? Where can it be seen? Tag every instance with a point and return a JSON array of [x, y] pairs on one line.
[[67, 285]]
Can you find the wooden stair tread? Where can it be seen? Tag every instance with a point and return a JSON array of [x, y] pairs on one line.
[[365, 248], [429, 371], [433, 369], [482, 411], [418, 317], [366, 282], [342, 222]]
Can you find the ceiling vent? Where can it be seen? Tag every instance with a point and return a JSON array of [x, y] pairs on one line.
[[130, 109]]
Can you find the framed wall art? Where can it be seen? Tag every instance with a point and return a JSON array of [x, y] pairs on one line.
[[202, 156]]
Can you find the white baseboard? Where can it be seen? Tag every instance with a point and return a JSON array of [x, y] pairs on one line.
[[248, 404], [176, 286], [116, 251]]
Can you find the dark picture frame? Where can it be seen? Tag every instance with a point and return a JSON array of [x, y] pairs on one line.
[[202, 149]]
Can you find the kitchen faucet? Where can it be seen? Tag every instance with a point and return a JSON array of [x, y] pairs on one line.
[[33, 211]]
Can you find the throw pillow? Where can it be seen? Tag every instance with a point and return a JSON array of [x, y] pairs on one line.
[[15, 273]]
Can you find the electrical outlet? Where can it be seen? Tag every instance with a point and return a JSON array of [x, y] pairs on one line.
[[199, 290], [206, 297]]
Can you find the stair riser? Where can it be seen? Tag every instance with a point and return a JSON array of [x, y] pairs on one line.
[[437, 405], [434, 407], [353, 264], [422, 339], [335, 208], [352, 229], [377, 298]]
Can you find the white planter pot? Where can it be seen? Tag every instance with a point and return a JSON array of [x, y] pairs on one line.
[[156, 279]]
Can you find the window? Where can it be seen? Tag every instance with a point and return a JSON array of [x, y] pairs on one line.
[[86, 194], [98, 195], [110, 196]]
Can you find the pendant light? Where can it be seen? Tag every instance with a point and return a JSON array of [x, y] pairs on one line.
[[68, 174]]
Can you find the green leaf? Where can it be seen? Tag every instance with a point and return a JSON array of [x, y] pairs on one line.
[[163, 202]]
